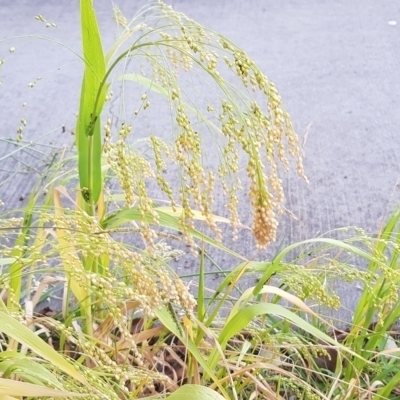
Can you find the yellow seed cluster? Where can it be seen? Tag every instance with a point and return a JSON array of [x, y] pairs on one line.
[[197, 187], [131, 169], [120, 18], [252, 126], [308, 286], [113, 355], [107, 145], [142, 277], [159, 149], [20, 130], [264, 221], [47, 24], [232, 207]]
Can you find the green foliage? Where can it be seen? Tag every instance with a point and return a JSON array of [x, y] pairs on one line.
[[195, 392], [88, 128], [129, 327]]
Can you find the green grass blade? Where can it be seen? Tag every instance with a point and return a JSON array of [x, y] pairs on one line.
[[18, 254], [71, 262], [142, 80], [19, 332], [385, 392], [166, 220], [32, 372], [195, 392], [10, 388], [201, 312], [364, 312], [248, 314], [333, 242], [88, 130], [249, 267]]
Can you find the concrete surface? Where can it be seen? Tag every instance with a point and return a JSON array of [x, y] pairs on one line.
[[336, 64]]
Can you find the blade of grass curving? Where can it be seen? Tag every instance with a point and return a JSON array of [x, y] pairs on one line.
[[229, 283], [6, 261], [387, 232], [334, 242], [88, 130], [195, 392], [282, 294], [197, 215], [10, 388], [19, 332], [387, 237], [142, 80], [166, 220], [71, 263], [249, 267], [248, 314], [31, 371]]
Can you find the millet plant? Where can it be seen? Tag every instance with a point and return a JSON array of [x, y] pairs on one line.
[[128, 326]]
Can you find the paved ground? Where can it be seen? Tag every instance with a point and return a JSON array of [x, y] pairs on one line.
[[336, 64]]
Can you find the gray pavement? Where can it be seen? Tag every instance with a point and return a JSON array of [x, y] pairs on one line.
[[336, 64]]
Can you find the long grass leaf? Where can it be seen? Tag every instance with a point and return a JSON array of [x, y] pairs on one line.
[[247, 314], [166, 220], [70, 260], [195, 392], [20, 333], [334, 242], [142, 80], [32, 372], [10, 388], [88, 129], [201, 311]]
